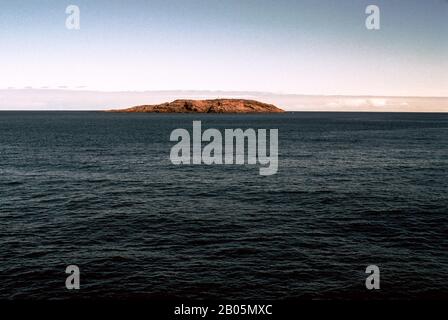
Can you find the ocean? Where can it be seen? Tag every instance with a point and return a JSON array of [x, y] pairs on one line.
[[98, 190]]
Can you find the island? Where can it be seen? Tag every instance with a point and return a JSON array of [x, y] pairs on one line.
[[205, 106]]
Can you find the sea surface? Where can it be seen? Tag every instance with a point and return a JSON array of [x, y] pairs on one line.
[[98, 190]]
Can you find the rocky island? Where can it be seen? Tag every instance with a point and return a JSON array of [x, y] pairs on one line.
[[206, 106]]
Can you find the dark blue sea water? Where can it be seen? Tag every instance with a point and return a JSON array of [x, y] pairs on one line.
[[98, 190]]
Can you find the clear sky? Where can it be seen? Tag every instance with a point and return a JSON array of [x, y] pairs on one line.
[[283, 46]]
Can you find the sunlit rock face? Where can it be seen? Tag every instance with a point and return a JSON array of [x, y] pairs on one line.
[[207, 106]]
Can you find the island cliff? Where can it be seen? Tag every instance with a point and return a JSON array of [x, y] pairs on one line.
[[206, 106]]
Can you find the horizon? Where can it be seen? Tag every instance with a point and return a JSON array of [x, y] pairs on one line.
[[91, 100]]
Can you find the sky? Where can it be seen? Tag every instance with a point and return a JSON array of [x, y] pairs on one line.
[[279, 46]]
